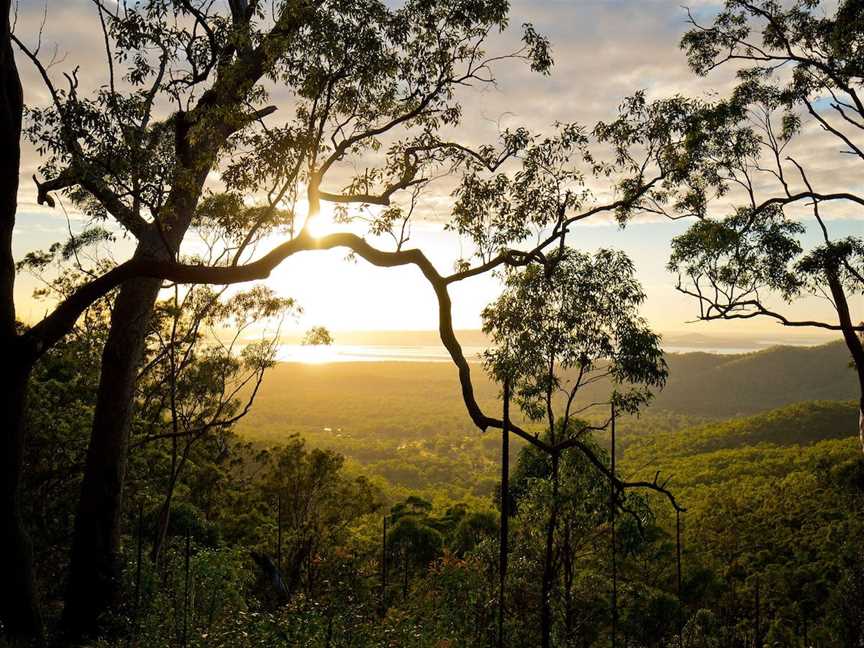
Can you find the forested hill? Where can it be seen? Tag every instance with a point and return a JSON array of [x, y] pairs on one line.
[[800, 424], [773, 505], [405, 394], [721, 386], [406, 421]]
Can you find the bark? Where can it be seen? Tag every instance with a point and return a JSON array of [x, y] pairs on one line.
[[19, 610], [853, 342], [94, 569], [860, 370], [548, 567], [11, 111], [505, 513]]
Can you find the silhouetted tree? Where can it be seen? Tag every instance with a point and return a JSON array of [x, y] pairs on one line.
[[19, 614], [800, 72], [318, 503], [194, 386], [359, 71]]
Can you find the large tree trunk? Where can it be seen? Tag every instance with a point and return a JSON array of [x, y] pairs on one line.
[[11, 112], [199, 136], [94, 570], [19, 610]]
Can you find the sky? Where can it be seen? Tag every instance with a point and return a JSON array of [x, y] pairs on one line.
[[603, 50]]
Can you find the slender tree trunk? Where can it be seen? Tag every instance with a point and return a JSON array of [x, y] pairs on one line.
[[505, 513], [405, 573], [546, 588], [567, 564], [614, 547], [384, 568], [165, 510], [19, 609], [853, 342], [678, 576], [94, 571], [162, 525], [861, 423]]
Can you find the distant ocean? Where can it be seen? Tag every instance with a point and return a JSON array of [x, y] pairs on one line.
[[369, 353], [437, 353]]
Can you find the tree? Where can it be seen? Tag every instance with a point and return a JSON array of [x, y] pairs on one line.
[[317, 503], [580, 539], [318, 336], [194, 386], [561, 325], [800, 73], [366, 85], [19, 614], [359, 70]]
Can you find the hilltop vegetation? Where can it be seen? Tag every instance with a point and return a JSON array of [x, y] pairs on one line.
[[801, 424], [406, 421], [773, 505], [722, 386], [760, 449], [769, 536]]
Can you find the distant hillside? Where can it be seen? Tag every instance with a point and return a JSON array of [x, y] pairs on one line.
[[712, 385], [800, 424], [406, 421], [771, 500], [700, 385]]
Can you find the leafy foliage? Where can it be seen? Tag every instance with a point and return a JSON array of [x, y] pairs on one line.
[[576, 314], [318, 335], [799, 67]]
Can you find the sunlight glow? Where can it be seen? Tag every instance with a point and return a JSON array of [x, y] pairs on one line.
[[322, 223], [308, 354]]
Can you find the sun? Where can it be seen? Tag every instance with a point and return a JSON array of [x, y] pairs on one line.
[[322, 223]]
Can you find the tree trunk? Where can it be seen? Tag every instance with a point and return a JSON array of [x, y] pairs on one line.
[[505, 512], [165, 512], [162, 527], [93, 579], [861, 422], [567, 561], [852, 339], [546, 589], [405, 573], [94, 571], [11, 112], [19, 608]]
